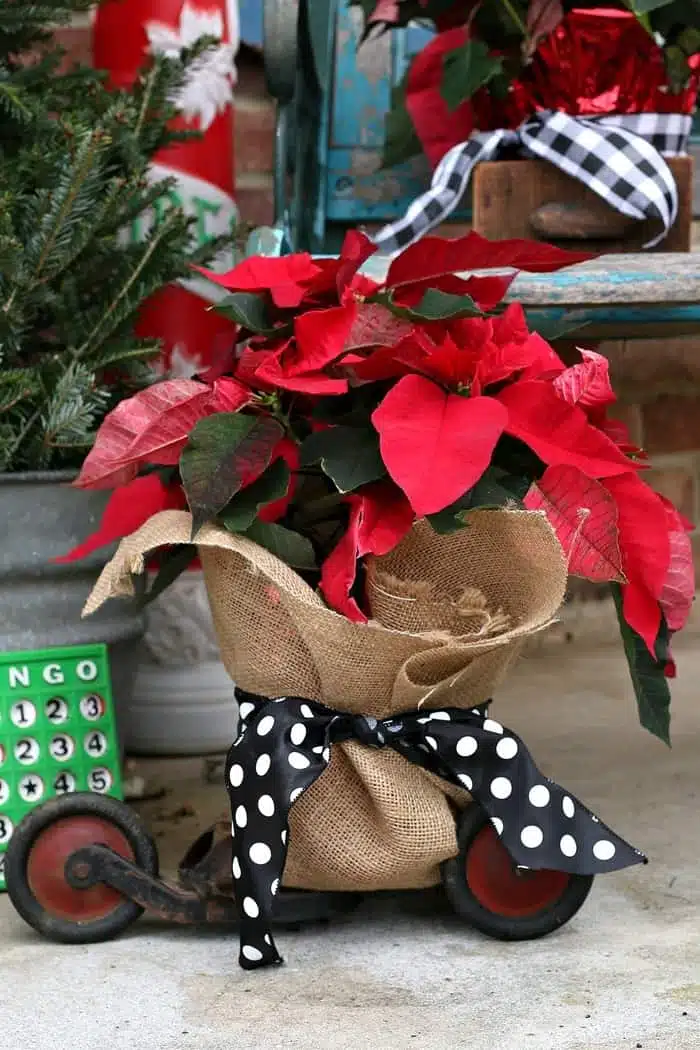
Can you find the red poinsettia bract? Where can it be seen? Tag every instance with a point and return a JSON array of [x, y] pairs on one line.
[[439, 427], [379, 518]]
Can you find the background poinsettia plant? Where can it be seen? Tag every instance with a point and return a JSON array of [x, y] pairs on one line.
[[349, 408], [493, 62]]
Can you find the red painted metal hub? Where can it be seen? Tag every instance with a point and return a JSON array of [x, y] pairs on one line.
[[501, 888], [46, 868]]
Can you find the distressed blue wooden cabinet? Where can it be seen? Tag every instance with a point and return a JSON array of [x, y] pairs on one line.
[[356, 190], [333, 97]]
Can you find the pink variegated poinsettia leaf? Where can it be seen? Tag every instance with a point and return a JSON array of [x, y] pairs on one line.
[[374, 325], [584, 516], [678, 591], [588, 383], [148, 427]]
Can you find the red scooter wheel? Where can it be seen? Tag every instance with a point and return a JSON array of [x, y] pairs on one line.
[[486, 888], [36, 860]]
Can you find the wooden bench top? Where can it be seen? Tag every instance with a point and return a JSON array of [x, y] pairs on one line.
[[614, 296], [615, 279]]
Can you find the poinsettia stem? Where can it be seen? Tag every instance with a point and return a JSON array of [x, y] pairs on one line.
[[515, 16]]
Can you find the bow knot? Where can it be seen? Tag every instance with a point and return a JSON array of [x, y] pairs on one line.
[[369, 731], [285, 745]]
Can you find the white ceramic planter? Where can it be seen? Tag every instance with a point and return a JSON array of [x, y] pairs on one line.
[[183, 699]]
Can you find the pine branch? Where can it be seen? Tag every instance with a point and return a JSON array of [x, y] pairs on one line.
[[149, 83], [74, 182], [122, 352], [60, 212], [121, 304], [12, 102], [73, 409], [16, 385]]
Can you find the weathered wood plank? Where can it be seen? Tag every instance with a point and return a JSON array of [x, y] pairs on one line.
[[614, 296], [640, 279]]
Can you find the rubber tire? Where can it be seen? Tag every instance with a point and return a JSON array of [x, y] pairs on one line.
[[281, 26], [504, 927], [81, 804]]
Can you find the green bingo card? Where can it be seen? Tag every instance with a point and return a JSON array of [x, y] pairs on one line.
[[57, 730]]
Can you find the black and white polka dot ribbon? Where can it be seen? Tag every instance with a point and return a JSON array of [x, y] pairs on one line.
[[285, 745], [619, 157]]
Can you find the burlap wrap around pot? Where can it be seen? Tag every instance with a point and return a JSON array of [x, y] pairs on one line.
[[372, 820]]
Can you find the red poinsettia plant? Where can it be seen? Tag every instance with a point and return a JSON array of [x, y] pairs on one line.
[[348, 408]]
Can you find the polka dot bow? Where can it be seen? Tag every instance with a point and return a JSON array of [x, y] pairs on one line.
[[284, 746]]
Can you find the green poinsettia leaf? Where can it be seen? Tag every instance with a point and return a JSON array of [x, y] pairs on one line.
[[172, 563], [552, 328], [439, 306], [248, 310], [350, 456], [677, 69], [434, 305], [494, 489], [648, 679], [223, 452], [289, 546], [352, 409], [643, 7], [688, 39], [466, 69], [240, 512]]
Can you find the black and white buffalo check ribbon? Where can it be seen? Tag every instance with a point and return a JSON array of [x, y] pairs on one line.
[[285, 745], [618, 157]]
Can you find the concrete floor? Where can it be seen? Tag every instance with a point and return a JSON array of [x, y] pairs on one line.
[[624, 974]]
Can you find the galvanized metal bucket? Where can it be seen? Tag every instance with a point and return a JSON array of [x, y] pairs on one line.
[[44, 517]]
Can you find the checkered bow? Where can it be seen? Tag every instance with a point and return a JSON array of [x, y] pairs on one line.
[[619, 157]]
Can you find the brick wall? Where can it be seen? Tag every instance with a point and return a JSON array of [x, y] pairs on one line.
[[254, 140], [658, 386], [76, 38], [254, 126]]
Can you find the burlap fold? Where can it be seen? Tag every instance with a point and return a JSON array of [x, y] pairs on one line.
[[458, 608]]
